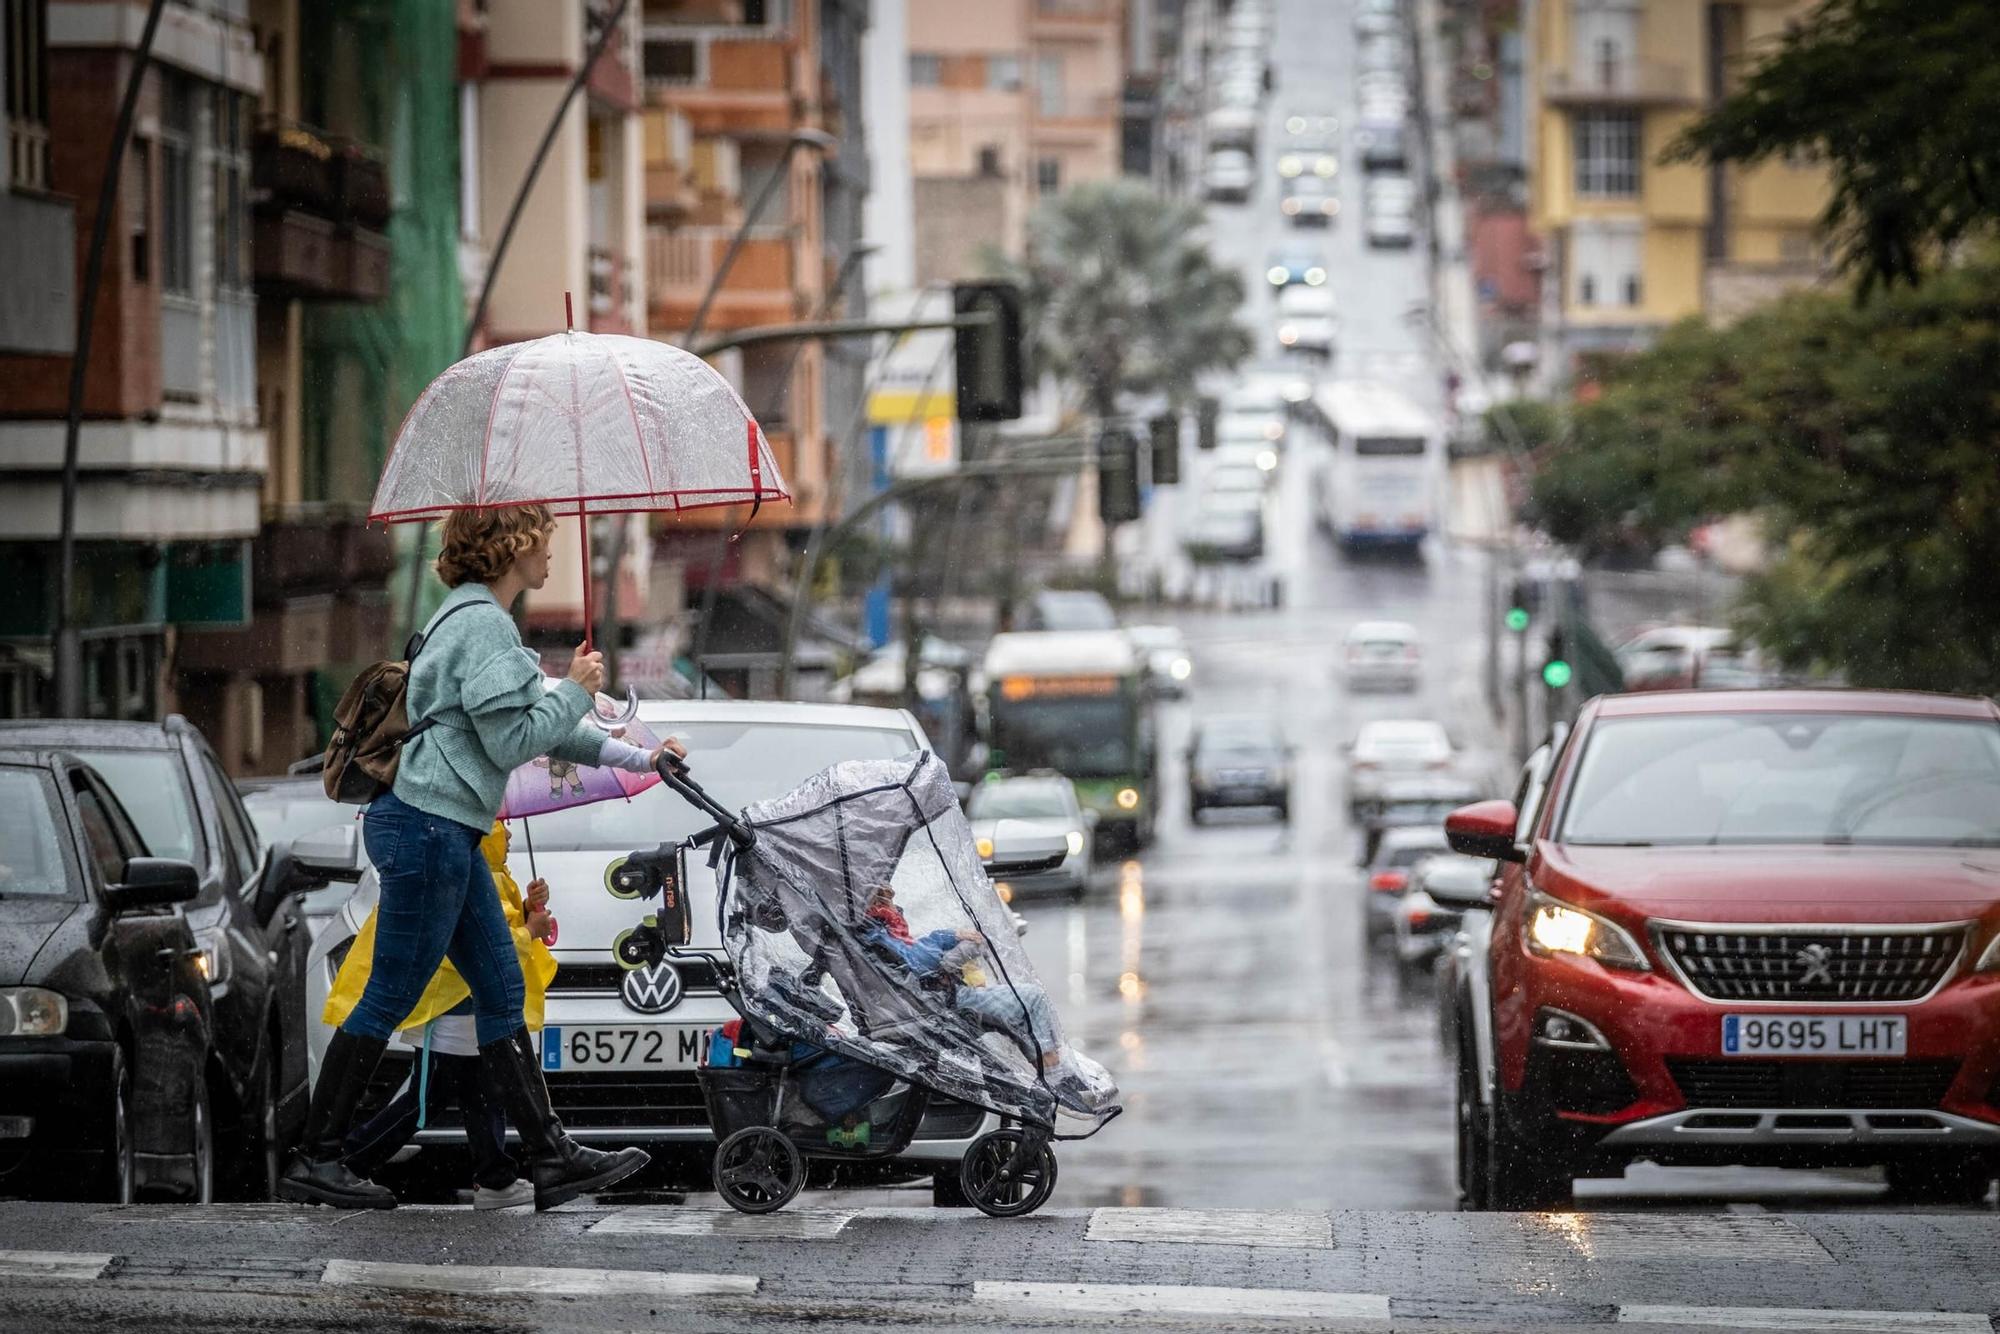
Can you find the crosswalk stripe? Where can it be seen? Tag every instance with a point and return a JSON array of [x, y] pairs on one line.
[[1213, 1227], [1168, 1299], [53, 1264], [679, 1221], [532, 1280], [1808, 1318]]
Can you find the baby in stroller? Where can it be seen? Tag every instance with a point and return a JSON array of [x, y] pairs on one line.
[[952, 960]]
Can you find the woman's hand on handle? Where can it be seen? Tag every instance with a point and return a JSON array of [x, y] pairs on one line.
[[671, 746], [587, 670]]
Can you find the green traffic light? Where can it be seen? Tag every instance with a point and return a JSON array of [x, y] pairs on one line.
[[1517, 619], [1556, 673]]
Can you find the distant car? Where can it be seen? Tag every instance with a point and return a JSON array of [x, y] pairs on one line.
[[246, 920], [106, 1018], [1305, 320], [1389, 227], [1378, 54], [1232, 126], [1297, 162], [1047, 803], [1296, 266], [1393, 748], [1226, 534], [289, 809], [1239, 760], [1387, 875], [1668, 657], [1425, 922], [1261, 457], [1169, 666], [1070, 609], [1229, 177], [1402, 803], [1309, 201], [1383, 144], [1383, 655]]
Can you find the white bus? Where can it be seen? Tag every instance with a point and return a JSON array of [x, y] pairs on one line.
[[1377, 485]]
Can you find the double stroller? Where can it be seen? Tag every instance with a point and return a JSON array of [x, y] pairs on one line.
[[875, 971]]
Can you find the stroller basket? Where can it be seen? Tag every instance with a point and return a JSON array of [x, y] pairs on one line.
[[738, 1097]]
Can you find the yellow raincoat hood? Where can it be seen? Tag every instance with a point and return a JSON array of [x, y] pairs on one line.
[[447, 988]]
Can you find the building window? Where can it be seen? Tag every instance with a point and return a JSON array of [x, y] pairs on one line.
[[468, 162], [26, 81], [1003, 74], [1607, 153], [1605, 263], [1048, 175], [1049, 85], [230, 168], [925, 69], [139, 209], [672, 60], [989, 159], [177, 186]]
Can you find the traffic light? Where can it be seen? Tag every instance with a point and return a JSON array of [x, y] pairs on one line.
[[988, 355], [1117, 478], [1207, 411], [1517, 619], [1556, 671], [1166, 432]]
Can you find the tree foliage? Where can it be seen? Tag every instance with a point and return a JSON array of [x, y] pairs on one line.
[[1121, 294], [1901, 99], [1864, 436]]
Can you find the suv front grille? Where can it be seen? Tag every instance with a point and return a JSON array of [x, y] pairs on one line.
[[604, 979], [1818, 965], [1801, 1084], [619, 1100]]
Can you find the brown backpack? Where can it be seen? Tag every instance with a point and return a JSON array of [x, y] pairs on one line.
[[371, 725]]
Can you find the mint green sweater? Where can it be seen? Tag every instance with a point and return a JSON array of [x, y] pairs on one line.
[[493, 714]]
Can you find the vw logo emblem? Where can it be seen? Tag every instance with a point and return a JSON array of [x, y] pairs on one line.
[[1817, 963], [651, 990]]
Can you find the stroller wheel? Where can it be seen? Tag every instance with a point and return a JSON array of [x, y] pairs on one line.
[[758, 1170], [633, 948], [611, 882], [999, 1192]]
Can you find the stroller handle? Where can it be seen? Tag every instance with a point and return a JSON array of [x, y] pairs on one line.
[[673, 771]]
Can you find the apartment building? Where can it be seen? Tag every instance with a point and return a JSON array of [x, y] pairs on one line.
[[1010, 102], [1630, 244]]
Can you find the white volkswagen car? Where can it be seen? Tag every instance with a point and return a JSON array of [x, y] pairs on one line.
[[619, 1049]]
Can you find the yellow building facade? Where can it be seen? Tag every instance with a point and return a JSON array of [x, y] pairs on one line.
[[1631, 244]]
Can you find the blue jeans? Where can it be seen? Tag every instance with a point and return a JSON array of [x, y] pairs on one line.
[[998, 1005], [438, 901]]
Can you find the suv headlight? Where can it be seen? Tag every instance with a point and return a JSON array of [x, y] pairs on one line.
[[212, 955], [1555, 927], [1989, 959], [32, 1012]]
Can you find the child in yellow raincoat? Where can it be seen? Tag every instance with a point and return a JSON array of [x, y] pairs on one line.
[[441, 1028]]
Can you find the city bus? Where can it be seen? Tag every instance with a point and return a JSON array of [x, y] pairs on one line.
[[1075, 701], [1378, 484]]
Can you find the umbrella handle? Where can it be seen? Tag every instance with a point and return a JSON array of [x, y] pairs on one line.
[[622, 720]]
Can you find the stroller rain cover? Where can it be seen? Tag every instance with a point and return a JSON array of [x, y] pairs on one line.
[[962, 1014]]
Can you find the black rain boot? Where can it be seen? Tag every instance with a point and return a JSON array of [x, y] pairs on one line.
[[316, 1174], [561, 1168]]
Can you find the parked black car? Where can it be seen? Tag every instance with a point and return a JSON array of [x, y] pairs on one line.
[[1239, 760], [105, 1016], [251, 937]]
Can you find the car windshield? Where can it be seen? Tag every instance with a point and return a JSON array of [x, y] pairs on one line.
[[286, 812], [735, 762], [1826, 778], [31, 860], [1017, 801], [152, 786]]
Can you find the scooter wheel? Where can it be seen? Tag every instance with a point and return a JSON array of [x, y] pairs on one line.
[[632, 949], [995, 1191], [611, 882], [758, 1170]]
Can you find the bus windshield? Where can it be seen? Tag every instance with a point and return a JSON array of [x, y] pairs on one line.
[[1081, 737]]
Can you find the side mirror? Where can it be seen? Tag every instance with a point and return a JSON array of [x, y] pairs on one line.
[[333, 853], [153, 882], [1484, 829], [1020, 849]]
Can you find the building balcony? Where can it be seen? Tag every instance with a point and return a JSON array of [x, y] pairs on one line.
[[298, 166], [303, 551], [761, 287], [725, 80], [1622, 83], [295, 254], [610, 292], [671, 190], [1071, 17]]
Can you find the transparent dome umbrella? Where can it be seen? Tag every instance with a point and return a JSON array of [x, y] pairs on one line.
[[587, 424]]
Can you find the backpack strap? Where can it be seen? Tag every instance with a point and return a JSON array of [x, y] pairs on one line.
[[416, 646]]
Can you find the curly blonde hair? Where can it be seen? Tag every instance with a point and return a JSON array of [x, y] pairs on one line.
[[483, 544]]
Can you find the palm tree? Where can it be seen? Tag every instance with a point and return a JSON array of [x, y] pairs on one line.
[[1121, 294]]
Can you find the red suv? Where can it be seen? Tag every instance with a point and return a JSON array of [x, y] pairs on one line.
[[1741, 927]]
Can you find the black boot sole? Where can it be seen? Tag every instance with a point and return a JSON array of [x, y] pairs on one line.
[[610, 1176], [304, 1192]]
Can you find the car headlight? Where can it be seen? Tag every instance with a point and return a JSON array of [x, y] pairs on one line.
[[1315, 276], [1555, 927], [1290, 165], [1181, 669], [32, 1012], [1267, 460], [1989, 960], [1277, 274], [1074, 838], [211, 955], [1288, 335], [1127, 798], [1326, 167]]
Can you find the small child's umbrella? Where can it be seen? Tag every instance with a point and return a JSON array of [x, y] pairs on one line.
[[549, 784]]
